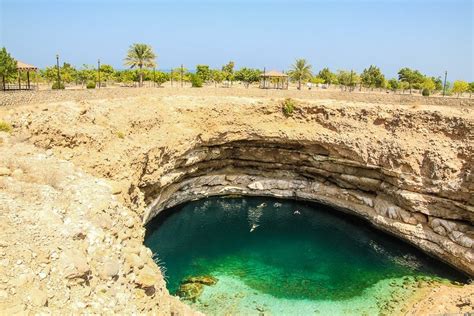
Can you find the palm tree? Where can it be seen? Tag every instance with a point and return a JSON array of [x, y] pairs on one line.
[[140, 55], [300, 71]]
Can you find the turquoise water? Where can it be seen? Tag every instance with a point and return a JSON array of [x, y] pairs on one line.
[[280, 257]]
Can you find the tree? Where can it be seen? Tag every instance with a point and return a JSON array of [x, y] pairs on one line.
[[217, 76], [347, 79], [7, 66], [471, 89], [196, 81], [460, 86], [107, 72], [139, 56], [161, 77], [126, 76], [410, 76], [68, 73], [49, 73], [328, 76], [85, 74], [228, 71], [403, 86], [203, 72], [372, 77], [248, 76], [176, 74], [393, 84], [428, 84], [300, 71], [438, 83], [317, 80]]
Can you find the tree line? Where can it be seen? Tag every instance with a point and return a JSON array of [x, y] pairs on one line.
[[141, 61]]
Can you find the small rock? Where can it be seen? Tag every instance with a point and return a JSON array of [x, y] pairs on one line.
[[54, 255], [146, 278], [129, 222], [109, 269], [256, 185], [134, 261], [73, 263]]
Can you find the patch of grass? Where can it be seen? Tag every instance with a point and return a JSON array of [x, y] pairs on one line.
[[5, 127], [288, 106], [120, 135]]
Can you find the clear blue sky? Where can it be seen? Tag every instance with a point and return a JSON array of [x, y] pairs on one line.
[[431, 36]]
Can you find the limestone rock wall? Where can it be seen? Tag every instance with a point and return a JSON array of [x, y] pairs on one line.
[[437, 220]]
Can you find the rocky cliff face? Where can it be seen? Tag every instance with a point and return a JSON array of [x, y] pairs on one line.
[[406, 169], [436, 219]]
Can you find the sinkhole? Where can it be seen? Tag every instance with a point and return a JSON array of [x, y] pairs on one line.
[[253, 255]]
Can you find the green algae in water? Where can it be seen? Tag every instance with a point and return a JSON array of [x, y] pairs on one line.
[[281, 257]]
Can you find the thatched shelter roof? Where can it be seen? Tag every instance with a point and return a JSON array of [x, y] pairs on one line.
[[273, 73], [25, 67]]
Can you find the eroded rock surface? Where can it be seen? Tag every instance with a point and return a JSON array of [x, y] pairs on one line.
[[65, 245]]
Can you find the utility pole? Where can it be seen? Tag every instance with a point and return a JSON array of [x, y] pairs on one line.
[[98, 70], [264, 77], [59, 77], [171, 76], [182, 75], [444, 85]]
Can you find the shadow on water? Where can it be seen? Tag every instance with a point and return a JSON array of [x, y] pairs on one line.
[[285, 248]]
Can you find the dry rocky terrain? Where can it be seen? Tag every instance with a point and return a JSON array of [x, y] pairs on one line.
[[81, 173]]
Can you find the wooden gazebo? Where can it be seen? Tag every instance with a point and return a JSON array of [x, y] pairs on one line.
[[22, 67], [273, 80]]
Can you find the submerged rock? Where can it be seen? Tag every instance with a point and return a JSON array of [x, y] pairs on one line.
[[190, 291], [202, 279], [192, 287]]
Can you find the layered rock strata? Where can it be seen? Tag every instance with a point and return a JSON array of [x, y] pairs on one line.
[[408, 206]]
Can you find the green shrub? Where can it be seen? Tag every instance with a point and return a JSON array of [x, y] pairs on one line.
[[5, 127], [196, 81], [120, 135], [56, 86], [288, 106], [425, 92], [90, 85]]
